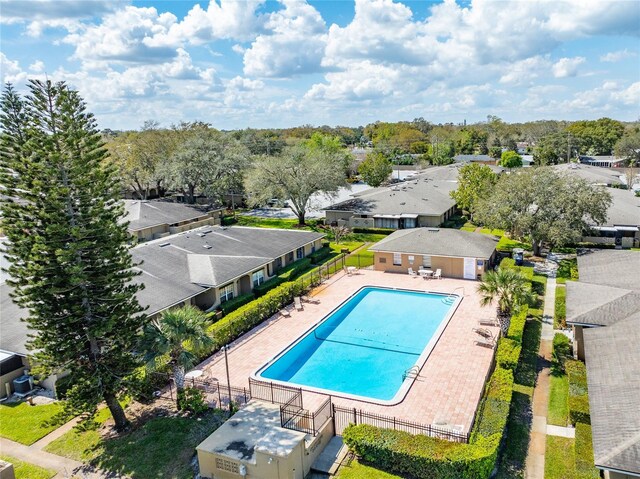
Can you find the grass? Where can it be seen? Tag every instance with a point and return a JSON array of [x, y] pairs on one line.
[[559, 458], [161, 447], [558, 412], [26, 424], [358, 470], [508, 244], [26, 470], [560, 311], [257, 221]]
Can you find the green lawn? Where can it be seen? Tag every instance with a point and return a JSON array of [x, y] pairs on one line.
[[559, 458], [558, 413], [284, 223], [357, 470], [560, 315], [25, 470], [507, 244], [23, 423], [162, 447]]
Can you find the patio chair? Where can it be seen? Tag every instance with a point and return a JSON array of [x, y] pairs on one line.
[[285, 313], [437, 274], [347, 271], [309, 299], [489, 322], [487, 339], [297, 303], [412, 272]]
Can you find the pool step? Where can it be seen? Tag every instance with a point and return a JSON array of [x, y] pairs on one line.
[[449, 300]]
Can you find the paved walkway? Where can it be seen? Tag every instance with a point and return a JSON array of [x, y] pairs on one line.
[[65, 467], [538, 437]]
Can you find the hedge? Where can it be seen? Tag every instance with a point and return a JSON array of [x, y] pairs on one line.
[[250, 315], [561, 307], [578, 395], [289, 273], [585, 468], [428, 457], [561, 349], [421, 456], [508, 354], [375, 231], [320, 255], [235, 303], [516, 326]]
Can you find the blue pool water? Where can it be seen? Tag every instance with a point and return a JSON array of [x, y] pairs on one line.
[[364, 347]]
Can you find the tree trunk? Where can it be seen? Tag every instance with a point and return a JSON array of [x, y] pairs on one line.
[[122, 423], [301, 218], [536, 245], [178, 379], [192, 194]]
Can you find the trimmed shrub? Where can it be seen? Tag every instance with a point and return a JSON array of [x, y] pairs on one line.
[[561, 307], [374, 231], [508, 354], [320, 255], [235, 303], [578, 394], [421, 456], [585, 469], [516, 327], [192, 400], [561, 348], [494, 407], [263, 288]]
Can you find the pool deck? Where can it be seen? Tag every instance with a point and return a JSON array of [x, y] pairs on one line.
[[449, 384]]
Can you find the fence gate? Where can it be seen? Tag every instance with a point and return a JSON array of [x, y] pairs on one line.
[[342, 417]]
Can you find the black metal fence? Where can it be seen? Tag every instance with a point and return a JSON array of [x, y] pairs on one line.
[[323, 272], [275, 393], [298, 419], [345, 416]]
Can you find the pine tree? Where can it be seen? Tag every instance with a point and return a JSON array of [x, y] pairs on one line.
[[68, 248]]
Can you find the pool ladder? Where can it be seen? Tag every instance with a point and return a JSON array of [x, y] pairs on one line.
[[451, 298], [412, 372]]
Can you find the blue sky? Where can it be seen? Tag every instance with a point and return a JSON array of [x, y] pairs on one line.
[[264, 63]]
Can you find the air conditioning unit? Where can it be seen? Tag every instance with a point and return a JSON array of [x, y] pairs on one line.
[[22, 384]]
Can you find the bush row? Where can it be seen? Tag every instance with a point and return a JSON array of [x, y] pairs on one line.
[[235, 303], [374, 231], [428, 457], [508, 354], [516, 326], [584, 453], [561, 307], [561, 349], [420, 456], [578, 395], [289, 273], [320, 255]]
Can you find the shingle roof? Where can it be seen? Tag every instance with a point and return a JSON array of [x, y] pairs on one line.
[[618, 268], [179, 267], [592, 174], [421, 196], [438, 242], [613, 377], [144, 214], [599, 305], [624, 209]]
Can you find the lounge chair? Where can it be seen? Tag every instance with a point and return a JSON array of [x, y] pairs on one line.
[[412, 272], [298, 303], [437, 274], [489, 322], [285, 313], [347, 271], [309, 299], [487, 339]]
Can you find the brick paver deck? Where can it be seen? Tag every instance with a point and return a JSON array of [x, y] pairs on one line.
[[450, 383]]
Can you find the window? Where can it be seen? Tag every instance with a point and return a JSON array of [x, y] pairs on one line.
[[382, 260], [226, 293], [426, 261], [397, 259], [278, 264], [300, 253], [290, 257], [257, 278], [411, 258]]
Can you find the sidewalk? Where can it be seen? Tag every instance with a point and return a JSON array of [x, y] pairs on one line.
[[538, 437]]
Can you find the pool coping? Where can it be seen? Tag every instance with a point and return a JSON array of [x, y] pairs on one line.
[[404, 388]]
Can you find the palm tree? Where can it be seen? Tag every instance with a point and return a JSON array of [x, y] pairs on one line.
[[179, 334], [508, 287]]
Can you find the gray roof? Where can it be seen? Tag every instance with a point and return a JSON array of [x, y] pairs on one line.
[[438, 242], [467, 158], [181, 266], [613, 376], [618, 268], [624, 209], [451, 172], [592, 174], [420, 196], [144, 214]]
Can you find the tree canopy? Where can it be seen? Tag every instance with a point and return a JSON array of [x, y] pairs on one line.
[[475, 182], [545, 206], [299, 173], [597, 137], [375, 169], [68, 249], [510, 159]]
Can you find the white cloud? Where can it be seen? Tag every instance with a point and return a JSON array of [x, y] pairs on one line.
[[567, 67], [37, 66], [294, 45], [614, 57], [10, 71]]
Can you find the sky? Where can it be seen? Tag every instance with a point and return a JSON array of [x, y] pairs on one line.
[[277, 64]]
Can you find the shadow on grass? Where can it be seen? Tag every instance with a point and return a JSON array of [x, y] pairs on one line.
[[514, 455], [527, 370], [161, 447]]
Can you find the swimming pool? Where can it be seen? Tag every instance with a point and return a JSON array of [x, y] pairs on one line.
[[364, 347]]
